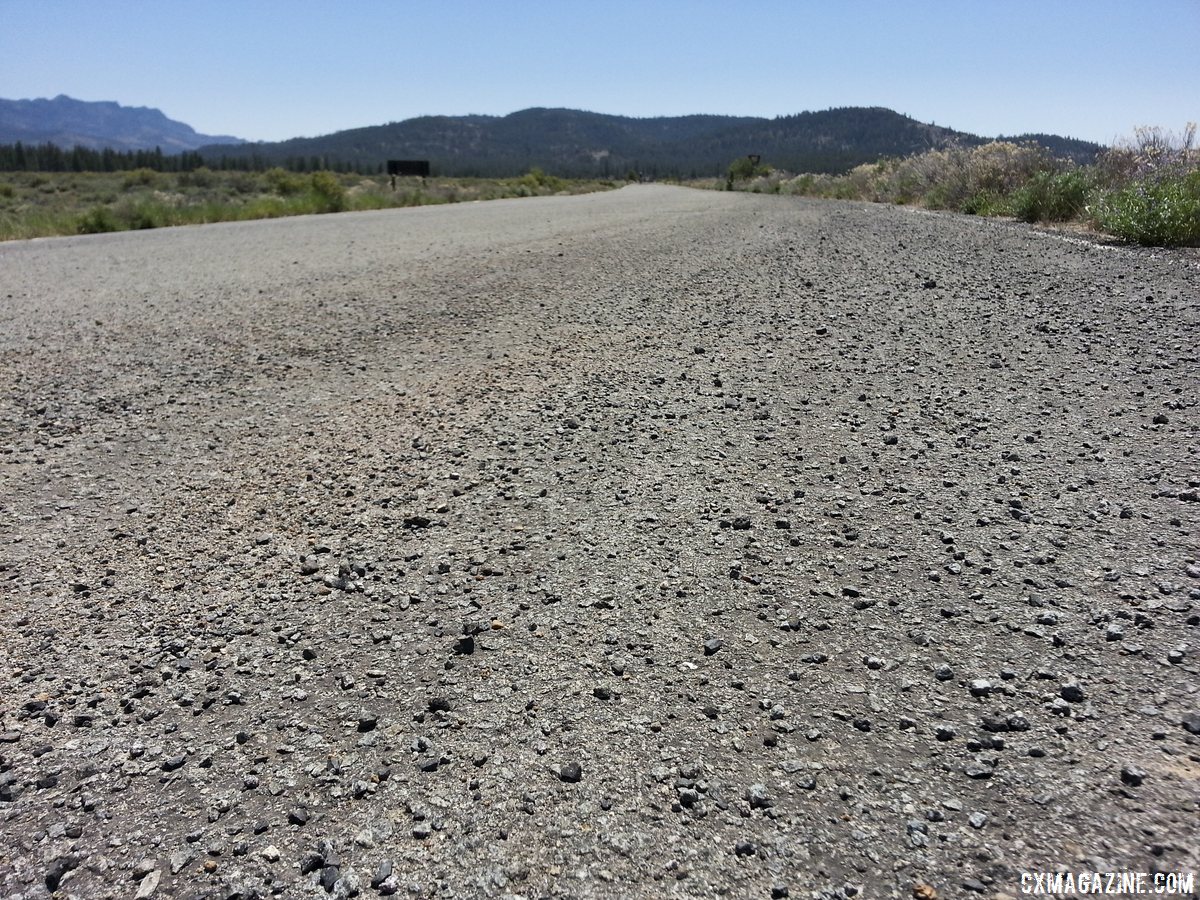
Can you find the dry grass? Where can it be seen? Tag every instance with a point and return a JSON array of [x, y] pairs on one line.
[[43, 204], [1145, 191]]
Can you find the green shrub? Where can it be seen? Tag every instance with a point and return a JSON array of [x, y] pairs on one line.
[[244, 183], [983, 203], [801, 184], [1164, 212], [538, 181], [202, 177], [1047, 197], [267, 208], [7, 191], [328, 192], [744, 168], [136, 178], [284, 183], [96, 220], [139, 216]]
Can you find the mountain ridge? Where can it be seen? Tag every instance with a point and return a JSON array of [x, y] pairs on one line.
[[562, 141], [99, 124], [578, 143]]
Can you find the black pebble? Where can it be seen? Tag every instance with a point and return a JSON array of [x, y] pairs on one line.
[[58, 868]]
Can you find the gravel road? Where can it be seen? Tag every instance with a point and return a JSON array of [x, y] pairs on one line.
[[650, 543]]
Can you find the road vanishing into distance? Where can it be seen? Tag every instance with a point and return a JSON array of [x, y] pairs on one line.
[[651, 543]]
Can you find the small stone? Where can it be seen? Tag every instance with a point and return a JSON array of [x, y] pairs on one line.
[[382, 873], [713, 645], [173, 763], [977, 819], [918, 833], [298, 816], [142, 868], [780, 892], [367, 722], [994, 723], [465, 645], [329, 877], [348, 885], [270, 853], [759, 797], [1072, 692], [58, 869], [148, 885], [745, 848], [429, 763], [1191, 723], [572, 773], [980, 687], [1132, 776]]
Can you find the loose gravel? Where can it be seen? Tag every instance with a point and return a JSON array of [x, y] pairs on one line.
[[651, 543]]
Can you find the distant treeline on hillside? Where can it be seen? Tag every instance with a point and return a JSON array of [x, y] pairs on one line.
[[20, 157], [578, 144], [567, 143]]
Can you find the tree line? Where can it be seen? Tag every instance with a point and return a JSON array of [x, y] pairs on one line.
[[20, 157]]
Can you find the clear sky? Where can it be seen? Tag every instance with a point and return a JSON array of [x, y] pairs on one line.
[[269, 70]]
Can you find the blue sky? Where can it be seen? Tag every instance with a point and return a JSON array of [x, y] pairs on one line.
[[268, 70]]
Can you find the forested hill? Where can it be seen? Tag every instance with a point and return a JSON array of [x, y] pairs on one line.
[[575, 143]]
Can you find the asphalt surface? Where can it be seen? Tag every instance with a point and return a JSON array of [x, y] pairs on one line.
[[650, 543]]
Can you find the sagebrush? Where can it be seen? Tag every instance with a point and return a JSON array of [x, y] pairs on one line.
[[1145, 190]]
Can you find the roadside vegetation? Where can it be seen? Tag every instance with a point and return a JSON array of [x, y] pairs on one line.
[[1143, 191], [42, 204]]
